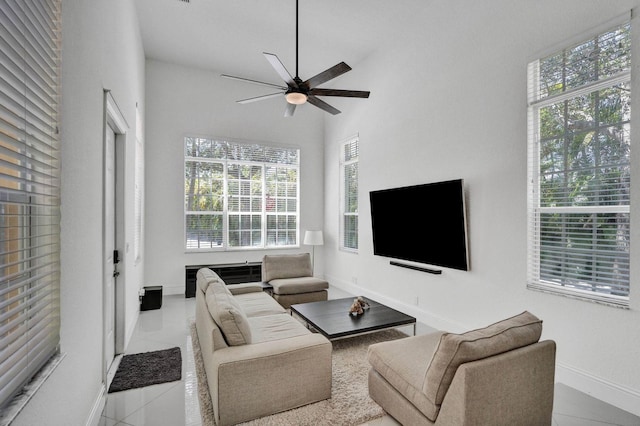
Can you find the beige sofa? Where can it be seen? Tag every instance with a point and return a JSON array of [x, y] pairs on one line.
[[291, 276], [258, 359], [499, 375]]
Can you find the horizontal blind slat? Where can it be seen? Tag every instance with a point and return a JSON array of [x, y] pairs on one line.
[[11, 124], [44, 259], [13, 144], [24, 290]]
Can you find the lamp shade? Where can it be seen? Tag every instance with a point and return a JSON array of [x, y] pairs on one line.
[[313, 238]]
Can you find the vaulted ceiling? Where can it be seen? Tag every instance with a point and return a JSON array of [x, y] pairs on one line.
[[229, 36]]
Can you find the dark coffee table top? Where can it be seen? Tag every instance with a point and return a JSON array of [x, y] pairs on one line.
[[332, 319]]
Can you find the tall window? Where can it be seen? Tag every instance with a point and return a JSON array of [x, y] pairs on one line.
[[349, 194], [240, 195], [579, 174], [29, 191]]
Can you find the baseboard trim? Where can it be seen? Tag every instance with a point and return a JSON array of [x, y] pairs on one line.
[[172, 290], [422, 316], [625, 398], [98, 407]]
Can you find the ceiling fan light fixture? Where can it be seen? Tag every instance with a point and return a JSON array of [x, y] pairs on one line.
[[296, 98]]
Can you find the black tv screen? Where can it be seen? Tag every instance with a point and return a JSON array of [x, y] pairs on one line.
[[421, 223]]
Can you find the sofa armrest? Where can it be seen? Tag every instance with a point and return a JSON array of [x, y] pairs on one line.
[[259, 379], [515, 387], [244, 288]]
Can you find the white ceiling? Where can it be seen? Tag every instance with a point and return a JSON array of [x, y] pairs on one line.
[[229, 36]]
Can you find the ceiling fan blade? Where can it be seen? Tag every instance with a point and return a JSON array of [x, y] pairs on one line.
[[337, 92], [328, 74], [288, 112], [322, 105], [247, 80], [280, 69], [259, 98]]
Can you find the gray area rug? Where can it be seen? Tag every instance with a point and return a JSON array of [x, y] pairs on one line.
[[148, 368], [349, 404]]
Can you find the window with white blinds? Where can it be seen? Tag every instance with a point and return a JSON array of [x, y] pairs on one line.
[[579, 168], [29, 190], [240, 195], [349, 155]]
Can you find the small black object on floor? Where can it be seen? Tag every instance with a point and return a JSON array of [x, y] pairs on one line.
[[146, 369], [152, 298]]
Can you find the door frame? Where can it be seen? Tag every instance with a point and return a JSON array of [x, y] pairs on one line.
[[114, 118]]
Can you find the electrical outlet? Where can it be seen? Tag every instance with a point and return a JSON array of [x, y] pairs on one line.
[[354, 280], [417, 300]]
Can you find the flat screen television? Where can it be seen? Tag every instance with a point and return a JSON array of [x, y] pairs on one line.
[[421, 223]]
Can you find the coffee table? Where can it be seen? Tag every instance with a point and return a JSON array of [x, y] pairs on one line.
[[331, 318]]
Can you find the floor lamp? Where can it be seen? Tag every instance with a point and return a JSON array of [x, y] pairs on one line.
[[313, 239]]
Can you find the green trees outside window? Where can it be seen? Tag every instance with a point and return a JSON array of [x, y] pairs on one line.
[[579, 168], [240, 195]]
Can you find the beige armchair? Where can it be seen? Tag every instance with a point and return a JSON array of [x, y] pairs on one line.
[[499, 375], [291, 276]]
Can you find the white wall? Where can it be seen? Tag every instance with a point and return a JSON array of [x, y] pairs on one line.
[[184, 101], [448, 100], [101, 49]]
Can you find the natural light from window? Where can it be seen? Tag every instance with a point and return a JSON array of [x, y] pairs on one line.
[[579, 169]]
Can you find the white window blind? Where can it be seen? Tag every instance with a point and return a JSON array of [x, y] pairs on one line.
[[579, 168], [240, 195], [349, 157], [29, 190]]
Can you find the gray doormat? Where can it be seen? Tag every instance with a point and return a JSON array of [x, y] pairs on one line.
[[148, 368]]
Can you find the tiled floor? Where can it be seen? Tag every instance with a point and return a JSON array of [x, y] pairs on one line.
[[176, 403]]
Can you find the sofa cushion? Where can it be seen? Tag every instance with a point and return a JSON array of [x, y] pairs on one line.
[[455, 349], [228, 315], [397, 361], [276, 327], [286, 266], [245, 288], [204, 277], [258, 304], [298, 285]]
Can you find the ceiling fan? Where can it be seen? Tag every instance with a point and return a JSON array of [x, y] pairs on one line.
[[297, 91]]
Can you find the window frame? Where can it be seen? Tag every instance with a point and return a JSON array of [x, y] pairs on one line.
[[268, 178], [537, 102], [346, 161]]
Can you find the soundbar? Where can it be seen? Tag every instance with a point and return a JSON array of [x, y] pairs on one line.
[[416, 268]]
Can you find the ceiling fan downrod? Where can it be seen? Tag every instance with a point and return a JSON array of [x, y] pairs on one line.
[[296, 91], [297, 74]]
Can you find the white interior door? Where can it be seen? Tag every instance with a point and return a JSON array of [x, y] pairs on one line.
[[110, 265], [115, 129]]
